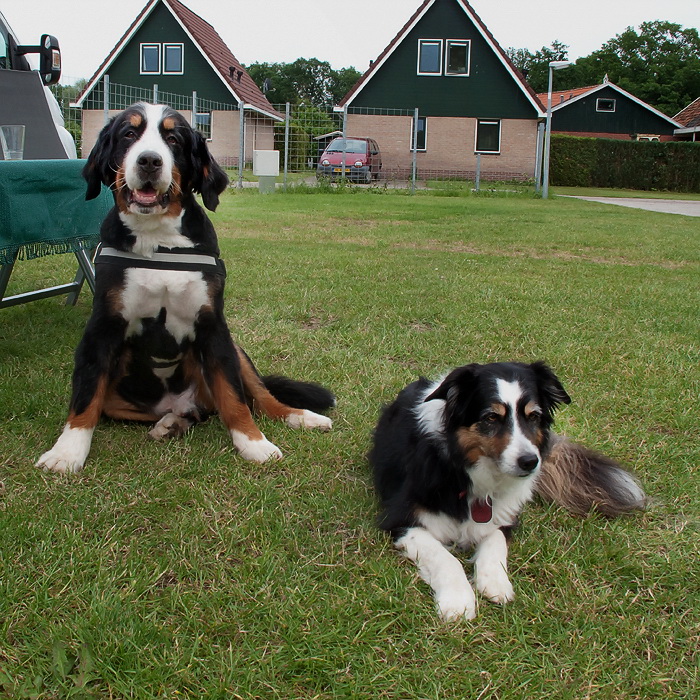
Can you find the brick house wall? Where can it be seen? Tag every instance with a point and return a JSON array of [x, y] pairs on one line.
[[449, 146]]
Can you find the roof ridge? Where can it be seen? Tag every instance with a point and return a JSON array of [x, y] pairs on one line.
[[490, 37], [231, 72]]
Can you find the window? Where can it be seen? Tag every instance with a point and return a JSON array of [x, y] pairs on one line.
[[162, 58], [488, 136], [419, 133], [457, 57], [604, 105], [429, 57], [3, 51], [202, 122], [150, 59], [172, 58]]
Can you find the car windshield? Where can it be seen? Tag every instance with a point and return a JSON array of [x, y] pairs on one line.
[[347, 145]]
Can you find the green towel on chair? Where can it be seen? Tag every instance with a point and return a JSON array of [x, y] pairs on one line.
[[43, 209]]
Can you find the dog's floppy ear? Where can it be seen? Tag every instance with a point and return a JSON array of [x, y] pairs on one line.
[[97, 170], [209, 180], [551, 390], [460, 379]]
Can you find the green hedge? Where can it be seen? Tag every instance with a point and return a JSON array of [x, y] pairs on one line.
[[637, 165]]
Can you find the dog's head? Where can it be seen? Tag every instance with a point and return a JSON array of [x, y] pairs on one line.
[[151, 158], [501, 412]]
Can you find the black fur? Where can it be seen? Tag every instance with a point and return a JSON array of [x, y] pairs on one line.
[[455, 461], [157, 347]]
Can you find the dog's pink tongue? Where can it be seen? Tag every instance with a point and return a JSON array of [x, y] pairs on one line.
[[146, 196]]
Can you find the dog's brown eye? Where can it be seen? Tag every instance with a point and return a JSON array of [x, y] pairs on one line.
[[171, 139], [131, 134], [534, 417], [492, 417]]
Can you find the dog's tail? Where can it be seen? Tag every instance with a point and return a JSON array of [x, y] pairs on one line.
[[308, 395], [582, 480]]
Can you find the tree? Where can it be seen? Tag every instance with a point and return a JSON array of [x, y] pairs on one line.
[[535, 66], [305, 80], [659, 64]]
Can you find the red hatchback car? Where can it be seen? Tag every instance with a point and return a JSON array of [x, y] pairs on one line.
[[362, 158]]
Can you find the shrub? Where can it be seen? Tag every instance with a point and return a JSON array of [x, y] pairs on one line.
[[639, 165]]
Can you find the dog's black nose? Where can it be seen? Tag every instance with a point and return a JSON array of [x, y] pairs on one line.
[[149, 161], [528, 463]]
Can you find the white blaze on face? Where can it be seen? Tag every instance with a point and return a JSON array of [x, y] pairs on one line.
[[150, 141], [519, 445]]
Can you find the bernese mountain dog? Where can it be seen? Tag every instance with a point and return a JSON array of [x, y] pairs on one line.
[[156, 347], [456, 460]]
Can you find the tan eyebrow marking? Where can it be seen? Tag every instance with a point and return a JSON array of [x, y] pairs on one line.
[[499, 408], [531, 407], [135, 120], [169, 123]]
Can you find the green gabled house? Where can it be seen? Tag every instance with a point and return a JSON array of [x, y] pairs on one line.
[[171, 55], [608, 111], [471, 100]]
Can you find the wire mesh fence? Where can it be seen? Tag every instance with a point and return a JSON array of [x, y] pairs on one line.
[[314, 143]]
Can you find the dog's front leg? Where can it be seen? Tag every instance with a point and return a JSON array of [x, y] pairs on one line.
[[93, 360], [441, 571], [491, 564], [222, 372]]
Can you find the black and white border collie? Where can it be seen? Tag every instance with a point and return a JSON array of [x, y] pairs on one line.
[[456, 460], [157, 348]]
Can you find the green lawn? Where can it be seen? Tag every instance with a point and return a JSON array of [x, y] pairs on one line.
[[180, 570]]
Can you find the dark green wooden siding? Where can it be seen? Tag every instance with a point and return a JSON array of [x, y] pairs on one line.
[[161, 27], [628, 118], [489, 91]]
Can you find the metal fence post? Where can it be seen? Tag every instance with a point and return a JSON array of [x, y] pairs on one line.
[[345, 139], [155, 93], [194, 109], [477, 182], [414, 157], [105, 101], [287, 119], [538, 156], [241, 143]]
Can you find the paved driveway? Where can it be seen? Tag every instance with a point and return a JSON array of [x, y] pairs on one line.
[[686, 207]]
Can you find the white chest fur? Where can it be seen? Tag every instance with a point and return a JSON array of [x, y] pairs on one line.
[[147, 292]]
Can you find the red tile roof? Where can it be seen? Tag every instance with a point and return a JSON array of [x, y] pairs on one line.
[[231, 72], [690, 115], [564, 95]]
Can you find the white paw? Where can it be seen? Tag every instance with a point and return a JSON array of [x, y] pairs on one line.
[[56, 461], [69, 453], [309, 419], [255, 450], [455, 604], [493, 583]]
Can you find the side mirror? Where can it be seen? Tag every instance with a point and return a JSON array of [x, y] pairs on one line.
[[49, 58]]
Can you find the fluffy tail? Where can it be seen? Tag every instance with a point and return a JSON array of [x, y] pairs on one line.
[[312, 397], [582, 480]]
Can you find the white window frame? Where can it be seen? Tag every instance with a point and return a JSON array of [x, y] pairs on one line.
[[150, 45], [458, 42], [413, 133], [168, 45], [211, 120], [606, 99], [476, 136], [438, 42]]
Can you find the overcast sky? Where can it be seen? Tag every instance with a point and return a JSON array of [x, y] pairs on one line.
[[343, 32]]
